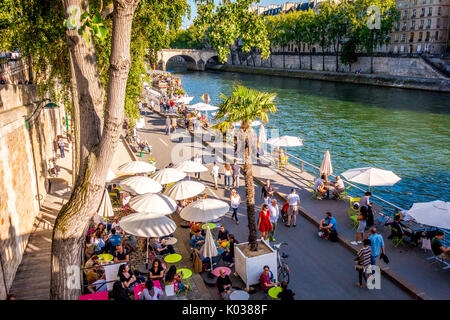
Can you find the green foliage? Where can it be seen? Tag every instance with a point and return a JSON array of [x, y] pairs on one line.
[[244, 105], [189, 39], [349, 55], [230, 21]]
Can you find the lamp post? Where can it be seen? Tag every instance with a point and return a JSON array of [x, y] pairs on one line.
[[34, 114]]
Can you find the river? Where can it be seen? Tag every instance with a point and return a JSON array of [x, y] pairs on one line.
[[406, 131]]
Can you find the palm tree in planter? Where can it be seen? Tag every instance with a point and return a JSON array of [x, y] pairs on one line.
[[244, 106]]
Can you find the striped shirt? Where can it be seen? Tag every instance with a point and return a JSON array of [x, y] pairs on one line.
[[364, 256]]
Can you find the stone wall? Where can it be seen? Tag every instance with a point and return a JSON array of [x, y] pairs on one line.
[[395, 66], [24, 156]]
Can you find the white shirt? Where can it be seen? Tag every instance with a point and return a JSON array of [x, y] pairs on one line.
[[293, 199], [116, 226], [198, 159], [339, 184], [215, 171], [235, 201], [146, 295], [227, 172], [274, 213]]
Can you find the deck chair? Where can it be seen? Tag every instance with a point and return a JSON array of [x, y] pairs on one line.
[[397, 238], [114, 199], [344, 194]]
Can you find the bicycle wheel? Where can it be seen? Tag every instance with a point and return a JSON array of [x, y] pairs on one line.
[[283, 273]]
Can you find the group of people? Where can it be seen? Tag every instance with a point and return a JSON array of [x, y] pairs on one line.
[[230, 174], [322, 187]]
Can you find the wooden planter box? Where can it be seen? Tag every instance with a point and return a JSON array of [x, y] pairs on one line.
[[249, 269]]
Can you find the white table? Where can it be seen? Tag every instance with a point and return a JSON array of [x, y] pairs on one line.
[[171, 241], [239, 295]]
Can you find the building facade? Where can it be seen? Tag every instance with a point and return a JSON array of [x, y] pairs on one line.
[[423, 27]]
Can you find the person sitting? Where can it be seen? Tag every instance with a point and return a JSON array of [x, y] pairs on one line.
[[119, 292], [223, 235], [285, 294], [156, 272], [129, 242], [223, 284], [265, 280], [195, 226], [114, 240], [438, 249], [88, 265], [228, 254], [116, 224], [161, 248], [397, 226], [197, 240], [172, 277], [339, 187], [151, 292], [97, 242], [101, 228], [121, 254], [319, 187], [329, 227], [96, 283], [127, 278]]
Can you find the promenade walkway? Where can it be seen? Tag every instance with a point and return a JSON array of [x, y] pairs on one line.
[[320, 269]]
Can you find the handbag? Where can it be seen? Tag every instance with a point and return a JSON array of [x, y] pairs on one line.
[[384, 258]]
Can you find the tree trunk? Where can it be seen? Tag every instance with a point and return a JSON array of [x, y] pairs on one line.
[[249, 191], [75, 117], [323, 60], [310, 58], [232, 58], [271, 60], [299, 57], [337, 57], [284, 59], [74, 217]]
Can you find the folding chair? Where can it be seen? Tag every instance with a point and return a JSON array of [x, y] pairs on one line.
[[435, 258], [353, 215], [114, 199], [314, 192], [344, 194], [397, 239]]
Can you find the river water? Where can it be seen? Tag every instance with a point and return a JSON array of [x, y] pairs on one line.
[[406, 131]]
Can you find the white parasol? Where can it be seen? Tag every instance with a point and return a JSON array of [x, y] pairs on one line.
[[110, 176], [371, 176], [168, 175], [204, 210], [105, 210], [134, 167], [151, 202], [209, 249], [434, 213], [140, 185], [285, 141], [190, 166], [184, 190], [326, 167]]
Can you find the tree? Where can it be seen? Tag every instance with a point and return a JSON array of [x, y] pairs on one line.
[[338, 24], [322, 22], [349, 55], [280, 31], [298, 25], [310, 34], [370, 34], [245, 105], [230, 21]]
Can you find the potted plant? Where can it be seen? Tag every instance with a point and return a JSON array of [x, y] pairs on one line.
[[246, 105]]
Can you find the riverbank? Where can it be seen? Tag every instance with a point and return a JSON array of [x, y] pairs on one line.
[[438, 85]]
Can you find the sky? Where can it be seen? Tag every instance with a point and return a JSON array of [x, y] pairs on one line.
[[186, 22]]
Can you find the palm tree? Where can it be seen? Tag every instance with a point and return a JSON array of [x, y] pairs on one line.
[[244, 106]]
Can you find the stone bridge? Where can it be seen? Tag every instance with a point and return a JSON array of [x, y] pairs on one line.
[[195, 59]]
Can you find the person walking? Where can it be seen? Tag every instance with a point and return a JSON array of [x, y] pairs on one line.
[[215, 174], [362, 220], [168, 125], [274, 215], [61, 146], [294, 203], [363, 261], [227, 177], [235, 201], [264, 225], [197, 159], [236, 170], [174, 124], [376, 244], [267, 192]]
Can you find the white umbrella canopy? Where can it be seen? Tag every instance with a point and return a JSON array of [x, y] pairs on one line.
[[168, 175], [285, 141], [106, 210], [204, 210], [184, 100], [204, 107], [434, 213], [371, 176], [140, 185], [152, 202], [326, 167], [209, 249], [134, 167], [184, 190], [147, 225], [190, 166]]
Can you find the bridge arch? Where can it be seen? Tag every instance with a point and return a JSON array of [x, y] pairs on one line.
[[195, 59]]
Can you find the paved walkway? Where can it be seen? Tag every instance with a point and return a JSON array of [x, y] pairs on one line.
[[320, 269]]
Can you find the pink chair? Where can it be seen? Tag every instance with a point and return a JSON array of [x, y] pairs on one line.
[[95, 296], [137, 290], [157, 284]]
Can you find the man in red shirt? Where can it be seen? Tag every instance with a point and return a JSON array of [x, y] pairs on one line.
[[265, 281]]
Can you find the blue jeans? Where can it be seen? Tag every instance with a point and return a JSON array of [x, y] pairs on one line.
[[373, 260], [234, 215], [227, 181]]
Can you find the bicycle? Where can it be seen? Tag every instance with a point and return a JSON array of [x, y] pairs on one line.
[[283, 268]]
